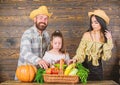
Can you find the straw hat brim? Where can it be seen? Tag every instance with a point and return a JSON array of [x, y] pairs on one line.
[[36, 12], [101, 14]]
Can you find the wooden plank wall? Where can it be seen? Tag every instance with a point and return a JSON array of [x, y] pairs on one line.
[[69, 16]]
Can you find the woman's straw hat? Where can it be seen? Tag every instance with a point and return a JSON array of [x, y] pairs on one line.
[[40, 10], [101, 14]]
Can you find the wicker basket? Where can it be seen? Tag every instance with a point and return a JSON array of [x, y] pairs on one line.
[[53, 78]]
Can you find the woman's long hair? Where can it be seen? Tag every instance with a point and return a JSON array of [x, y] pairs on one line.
[[102, 24]]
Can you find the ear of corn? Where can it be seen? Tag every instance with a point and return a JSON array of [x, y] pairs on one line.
[[69, 68]]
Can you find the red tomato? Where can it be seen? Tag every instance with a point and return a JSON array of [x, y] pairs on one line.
[[49, 71], [55, 70]]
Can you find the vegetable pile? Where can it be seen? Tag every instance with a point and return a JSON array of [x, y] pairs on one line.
[[74, 69], [28, 73]]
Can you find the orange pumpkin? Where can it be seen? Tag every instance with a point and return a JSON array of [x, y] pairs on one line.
[[26, 73]]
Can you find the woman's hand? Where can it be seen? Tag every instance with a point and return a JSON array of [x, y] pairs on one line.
[[72, 61], [108, 34]]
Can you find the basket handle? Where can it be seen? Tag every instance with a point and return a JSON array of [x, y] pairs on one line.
[[61, 66]]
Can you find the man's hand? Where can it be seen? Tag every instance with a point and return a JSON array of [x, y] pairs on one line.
[[43, 64]]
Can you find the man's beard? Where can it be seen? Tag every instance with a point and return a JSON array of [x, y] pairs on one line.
[[41, 27]]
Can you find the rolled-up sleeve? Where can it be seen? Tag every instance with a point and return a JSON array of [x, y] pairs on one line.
[[107, 50], [80, 53]]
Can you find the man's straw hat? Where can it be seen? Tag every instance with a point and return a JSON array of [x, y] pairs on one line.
[[101, 14], [41, 10]]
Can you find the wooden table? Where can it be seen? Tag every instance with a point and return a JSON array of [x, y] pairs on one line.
[[105, 82]]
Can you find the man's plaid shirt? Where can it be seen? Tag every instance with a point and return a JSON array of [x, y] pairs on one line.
[[33, 46]]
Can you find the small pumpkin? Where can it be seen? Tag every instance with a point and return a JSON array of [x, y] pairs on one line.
[[26, 73]]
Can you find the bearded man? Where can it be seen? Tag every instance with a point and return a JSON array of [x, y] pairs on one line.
[[35, 41]]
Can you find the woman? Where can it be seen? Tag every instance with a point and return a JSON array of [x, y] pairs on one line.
[[95, 46]]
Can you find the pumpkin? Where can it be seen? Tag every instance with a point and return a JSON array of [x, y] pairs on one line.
[[26, 73]]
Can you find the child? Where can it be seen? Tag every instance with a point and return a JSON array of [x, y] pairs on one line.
[[57, 51]]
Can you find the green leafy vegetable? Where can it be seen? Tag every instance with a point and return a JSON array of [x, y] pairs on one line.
[[58, 66], [82, 73], [39, 75]]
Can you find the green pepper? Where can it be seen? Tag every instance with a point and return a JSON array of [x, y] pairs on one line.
[[58, 66]]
